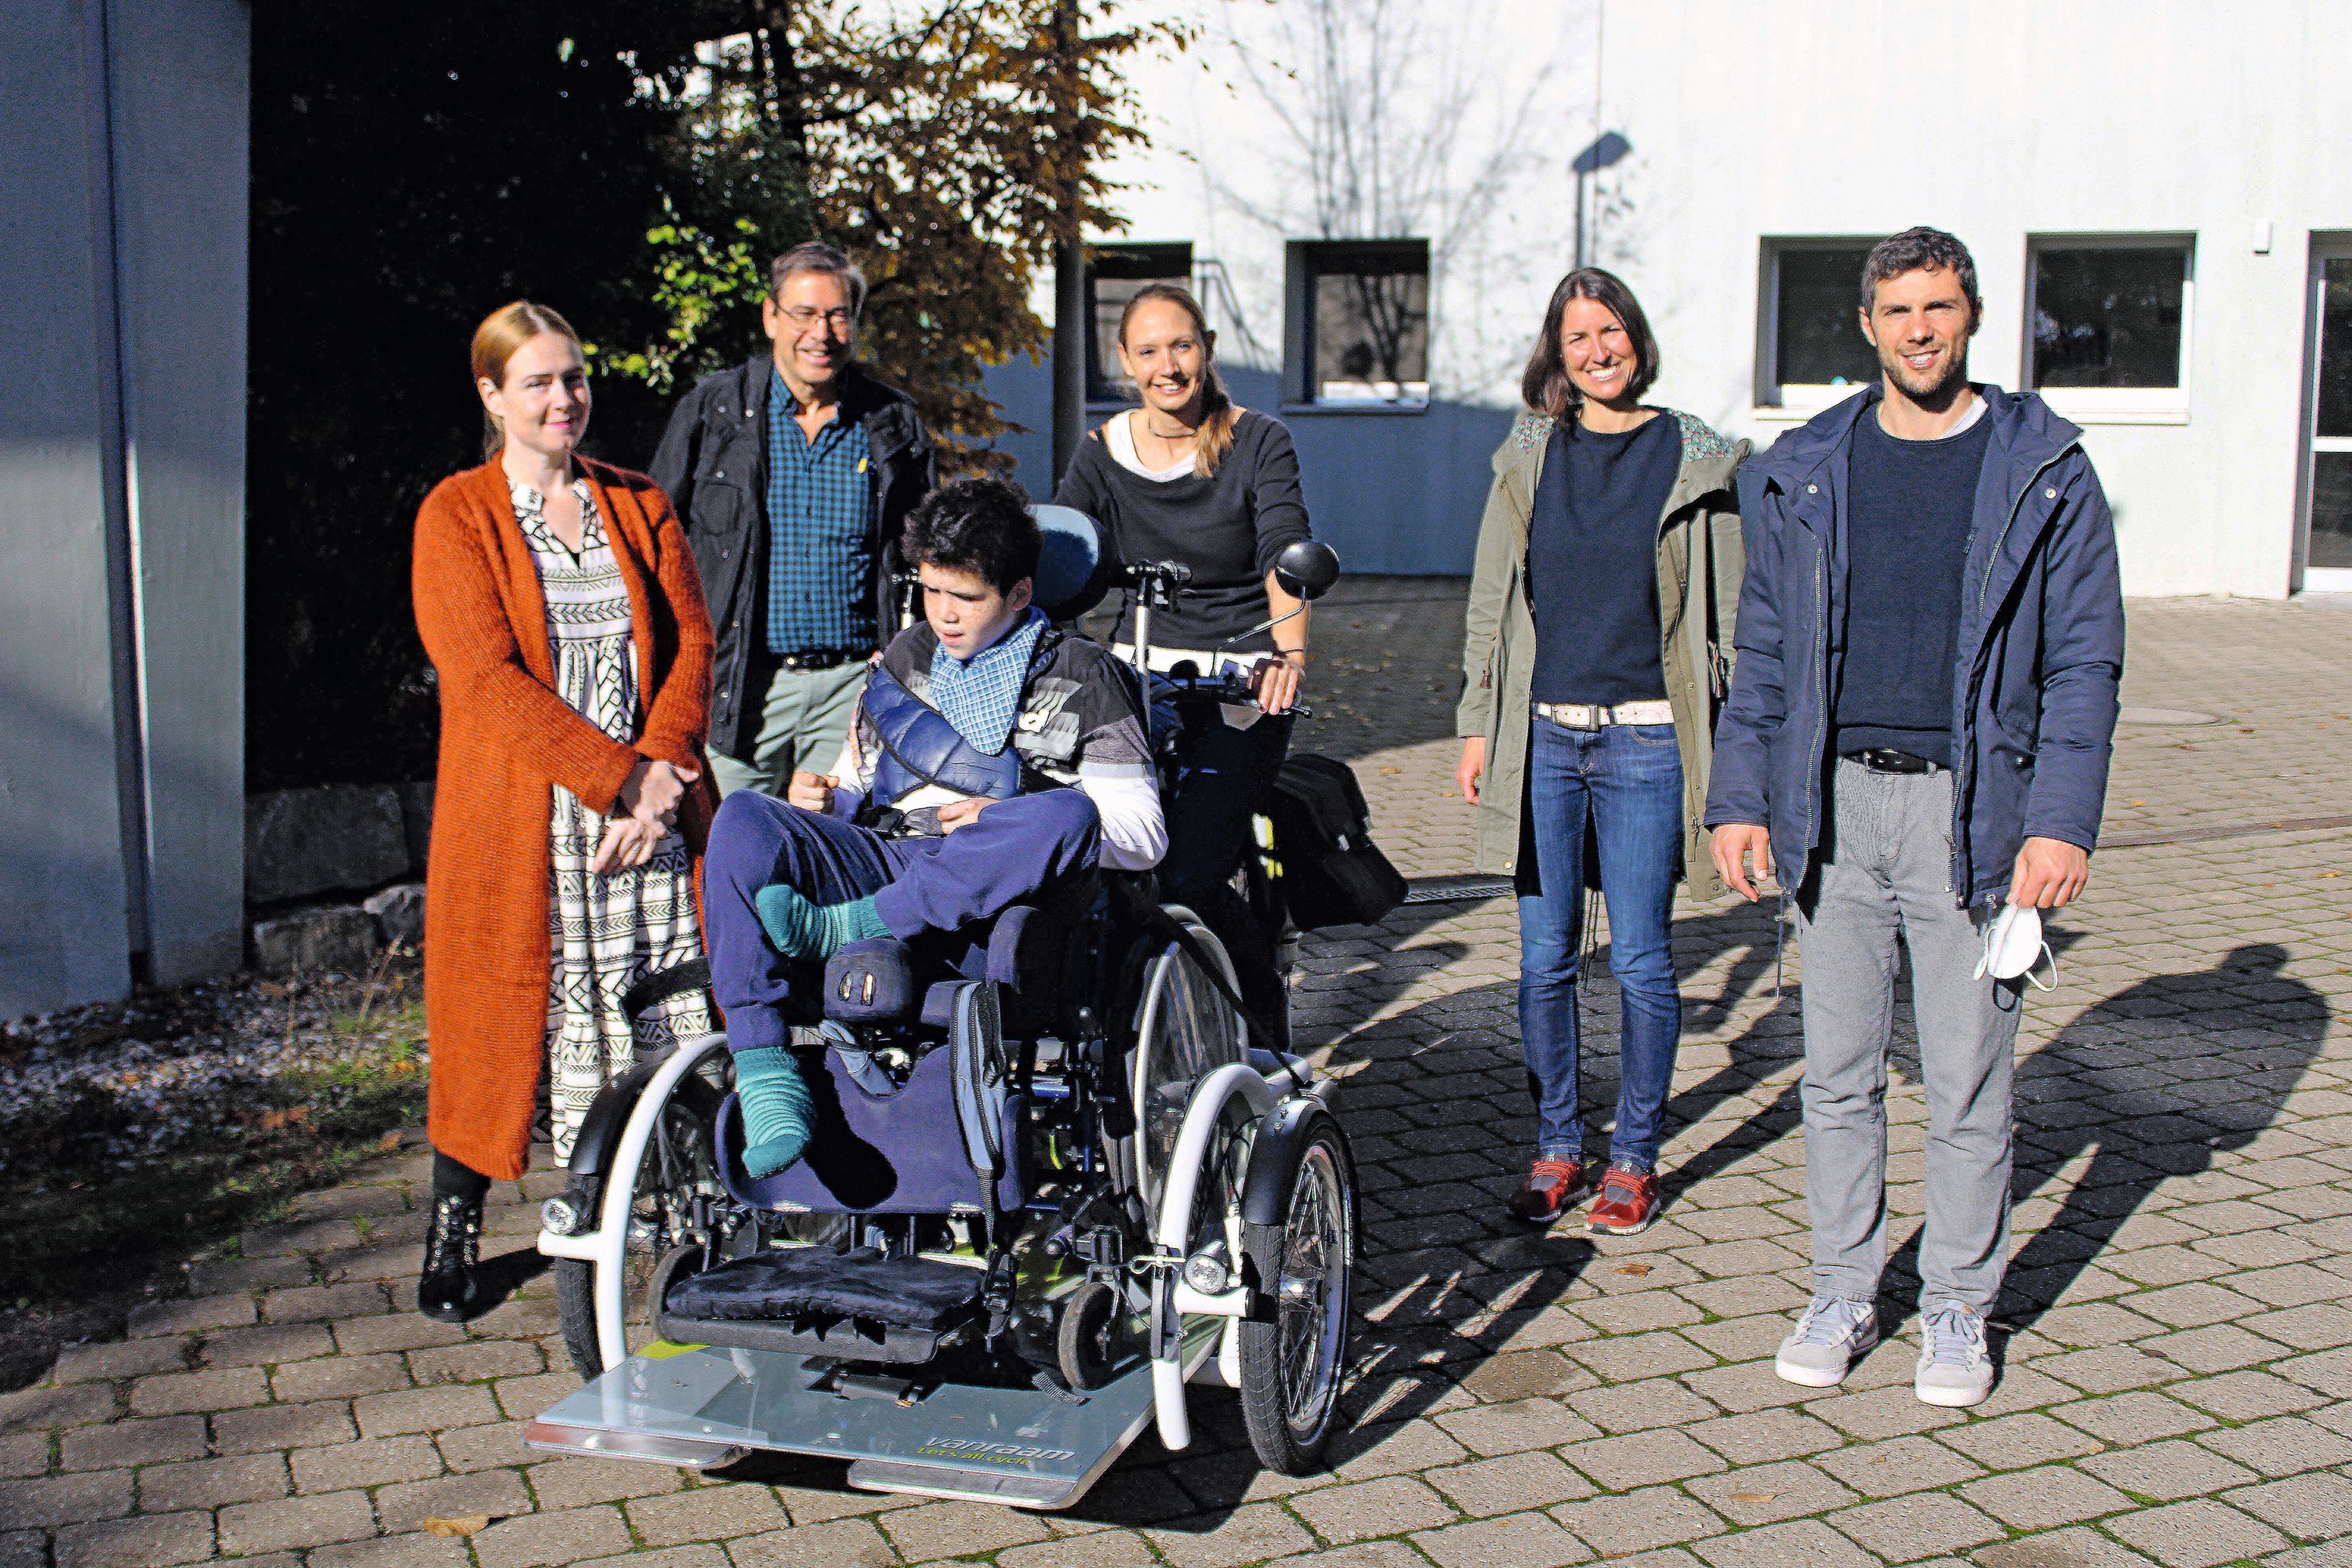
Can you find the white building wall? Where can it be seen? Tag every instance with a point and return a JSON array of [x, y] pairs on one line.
[[181, 112], [122, 245], [1997, 120], [2136, 116], [63, 893]]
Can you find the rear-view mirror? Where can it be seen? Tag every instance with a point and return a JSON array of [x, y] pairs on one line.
[[1307, 568]]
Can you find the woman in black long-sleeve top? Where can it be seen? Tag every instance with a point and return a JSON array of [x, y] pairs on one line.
[[1190, 476]]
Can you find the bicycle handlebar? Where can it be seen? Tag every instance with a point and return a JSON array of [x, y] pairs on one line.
[[1158, 583]]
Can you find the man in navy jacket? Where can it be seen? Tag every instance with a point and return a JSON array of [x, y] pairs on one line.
[[1918, 731]]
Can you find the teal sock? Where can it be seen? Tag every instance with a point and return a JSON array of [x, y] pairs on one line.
[[802, 930], [778, 1115]]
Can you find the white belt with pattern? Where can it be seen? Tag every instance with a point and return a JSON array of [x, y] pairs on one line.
[[1588, 716]]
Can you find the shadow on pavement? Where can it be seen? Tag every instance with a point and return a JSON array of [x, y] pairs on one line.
[[1451, 1293], [2234, 1040], [500, 1277], [2088, 1089], [1454, 1287]]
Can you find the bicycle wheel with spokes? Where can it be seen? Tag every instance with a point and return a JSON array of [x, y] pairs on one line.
[[1185, 1031], [1292, 1364]]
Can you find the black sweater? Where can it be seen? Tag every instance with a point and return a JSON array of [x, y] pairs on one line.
[[1592, 562], [1908, 508], [1228, 527]]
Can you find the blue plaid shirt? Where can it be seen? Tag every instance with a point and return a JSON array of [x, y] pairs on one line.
[[981, 695], [820, 524]]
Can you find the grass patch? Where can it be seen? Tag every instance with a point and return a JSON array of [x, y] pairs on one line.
[[92, 1235], [299, 1132]]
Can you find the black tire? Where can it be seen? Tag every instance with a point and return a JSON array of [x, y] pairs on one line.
[[674, 1168], [1090, 1341], [1292, 1363]]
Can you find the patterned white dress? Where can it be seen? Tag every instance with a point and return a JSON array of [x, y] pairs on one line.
[[606, 933]]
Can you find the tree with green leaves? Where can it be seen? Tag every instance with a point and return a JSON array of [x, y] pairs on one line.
[[945, 146], [635, 166]]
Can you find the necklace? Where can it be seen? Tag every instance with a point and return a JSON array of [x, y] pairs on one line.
[[1169, 435]]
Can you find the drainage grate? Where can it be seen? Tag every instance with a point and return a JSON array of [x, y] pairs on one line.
[[2175, 716], [1457, 889], [2220, 830]]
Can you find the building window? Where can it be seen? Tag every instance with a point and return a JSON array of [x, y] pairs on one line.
[[2107, 324], [1113, 277], [2327, 547], [1811, 350], [1358, 323]]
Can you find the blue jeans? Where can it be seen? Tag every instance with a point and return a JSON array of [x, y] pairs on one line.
[[1622, 785]]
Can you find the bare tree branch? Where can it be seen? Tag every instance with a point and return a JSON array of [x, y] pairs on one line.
[[1386, 128]]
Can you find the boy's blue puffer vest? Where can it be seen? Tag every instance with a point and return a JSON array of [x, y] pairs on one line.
[[920, 747]]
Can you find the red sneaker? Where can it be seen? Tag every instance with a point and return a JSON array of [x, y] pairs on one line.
[[1627, 1203], [1549, 1184]]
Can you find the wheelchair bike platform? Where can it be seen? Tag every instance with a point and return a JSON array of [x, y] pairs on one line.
[[701, 1408]]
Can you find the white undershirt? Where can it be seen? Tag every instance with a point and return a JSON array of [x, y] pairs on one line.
[[1965, 422], [1119, 437]]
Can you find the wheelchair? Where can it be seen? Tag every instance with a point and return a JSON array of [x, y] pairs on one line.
[[1072, 1184]]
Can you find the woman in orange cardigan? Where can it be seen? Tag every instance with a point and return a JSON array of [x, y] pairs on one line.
[[559, 601]]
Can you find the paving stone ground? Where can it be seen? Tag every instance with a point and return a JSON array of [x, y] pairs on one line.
[[2176, 1343]]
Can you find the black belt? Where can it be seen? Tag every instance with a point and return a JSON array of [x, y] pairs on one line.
[[810, 658], [1888, 759]]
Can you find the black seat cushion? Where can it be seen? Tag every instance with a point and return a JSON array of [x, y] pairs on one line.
[[871, 982], [1037, 951], [817, 1281]]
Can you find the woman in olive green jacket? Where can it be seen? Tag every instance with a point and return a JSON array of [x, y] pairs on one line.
[[1598, 648]]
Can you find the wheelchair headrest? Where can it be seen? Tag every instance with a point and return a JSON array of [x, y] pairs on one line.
[[1075, 565]]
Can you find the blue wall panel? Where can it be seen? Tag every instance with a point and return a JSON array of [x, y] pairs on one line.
[[1396, 494]]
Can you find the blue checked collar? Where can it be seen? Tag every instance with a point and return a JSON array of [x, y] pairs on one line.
[[780, 392], [981, 696]]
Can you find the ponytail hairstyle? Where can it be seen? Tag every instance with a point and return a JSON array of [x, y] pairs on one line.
[[1215, 436], [502, 333], [1546, 388]]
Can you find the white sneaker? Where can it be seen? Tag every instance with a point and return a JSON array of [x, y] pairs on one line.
[[1955, 1367], [1834, 1333]]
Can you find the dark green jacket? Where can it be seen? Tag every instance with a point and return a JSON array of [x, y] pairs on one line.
[[1699, 566]]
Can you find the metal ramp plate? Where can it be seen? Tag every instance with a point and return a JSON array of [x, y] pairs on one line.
[[687, 1405]]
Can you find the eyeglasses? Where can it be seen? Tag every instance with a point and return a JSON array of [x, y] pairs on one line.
[[807, 316]]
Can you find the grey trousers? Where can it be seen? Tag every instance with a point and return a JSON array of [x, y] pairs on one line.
[[1887, 872], [804, 717]]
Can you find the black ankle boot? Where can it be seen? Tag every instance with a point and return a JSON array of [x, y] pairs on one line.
[[453, 1247]]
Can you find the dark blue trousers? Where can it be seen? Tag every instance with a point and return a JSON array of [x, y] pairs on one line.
[[1223, 776], [1002, 857]]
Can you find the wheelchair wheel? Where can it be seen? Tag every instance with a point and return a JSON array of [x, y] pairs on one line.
[[1291, 1366], [680, 1161], [1091, 1340], [1186, 1031]]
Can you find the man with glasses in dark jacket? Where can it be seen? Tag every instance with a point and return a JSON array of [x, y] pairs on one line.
[[1930, 639], [794, 474]]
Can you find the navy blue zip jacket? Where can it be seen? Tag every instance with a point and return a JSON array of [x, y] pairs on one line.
[[2040, 645]]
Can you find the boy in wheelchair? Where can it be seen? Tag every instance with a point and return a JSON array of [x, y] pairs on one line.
[[991, 757]]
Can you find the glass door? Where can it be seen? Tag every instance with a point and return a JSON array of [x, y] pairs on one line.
[[2328, 500]]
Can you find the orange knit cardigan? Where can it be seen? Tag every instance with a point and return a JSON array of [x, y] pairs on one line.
[[505, 737]]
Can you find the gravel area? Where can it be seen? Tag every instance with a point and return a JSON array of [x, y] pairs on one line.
[[117, 1085]]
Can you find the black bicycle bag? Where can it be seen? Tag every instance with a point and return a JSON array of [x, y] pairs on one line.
[[1332, 873]]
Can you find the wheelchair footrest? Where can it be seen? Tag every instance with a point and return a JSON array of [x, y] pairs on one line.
[[859, 1305]]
